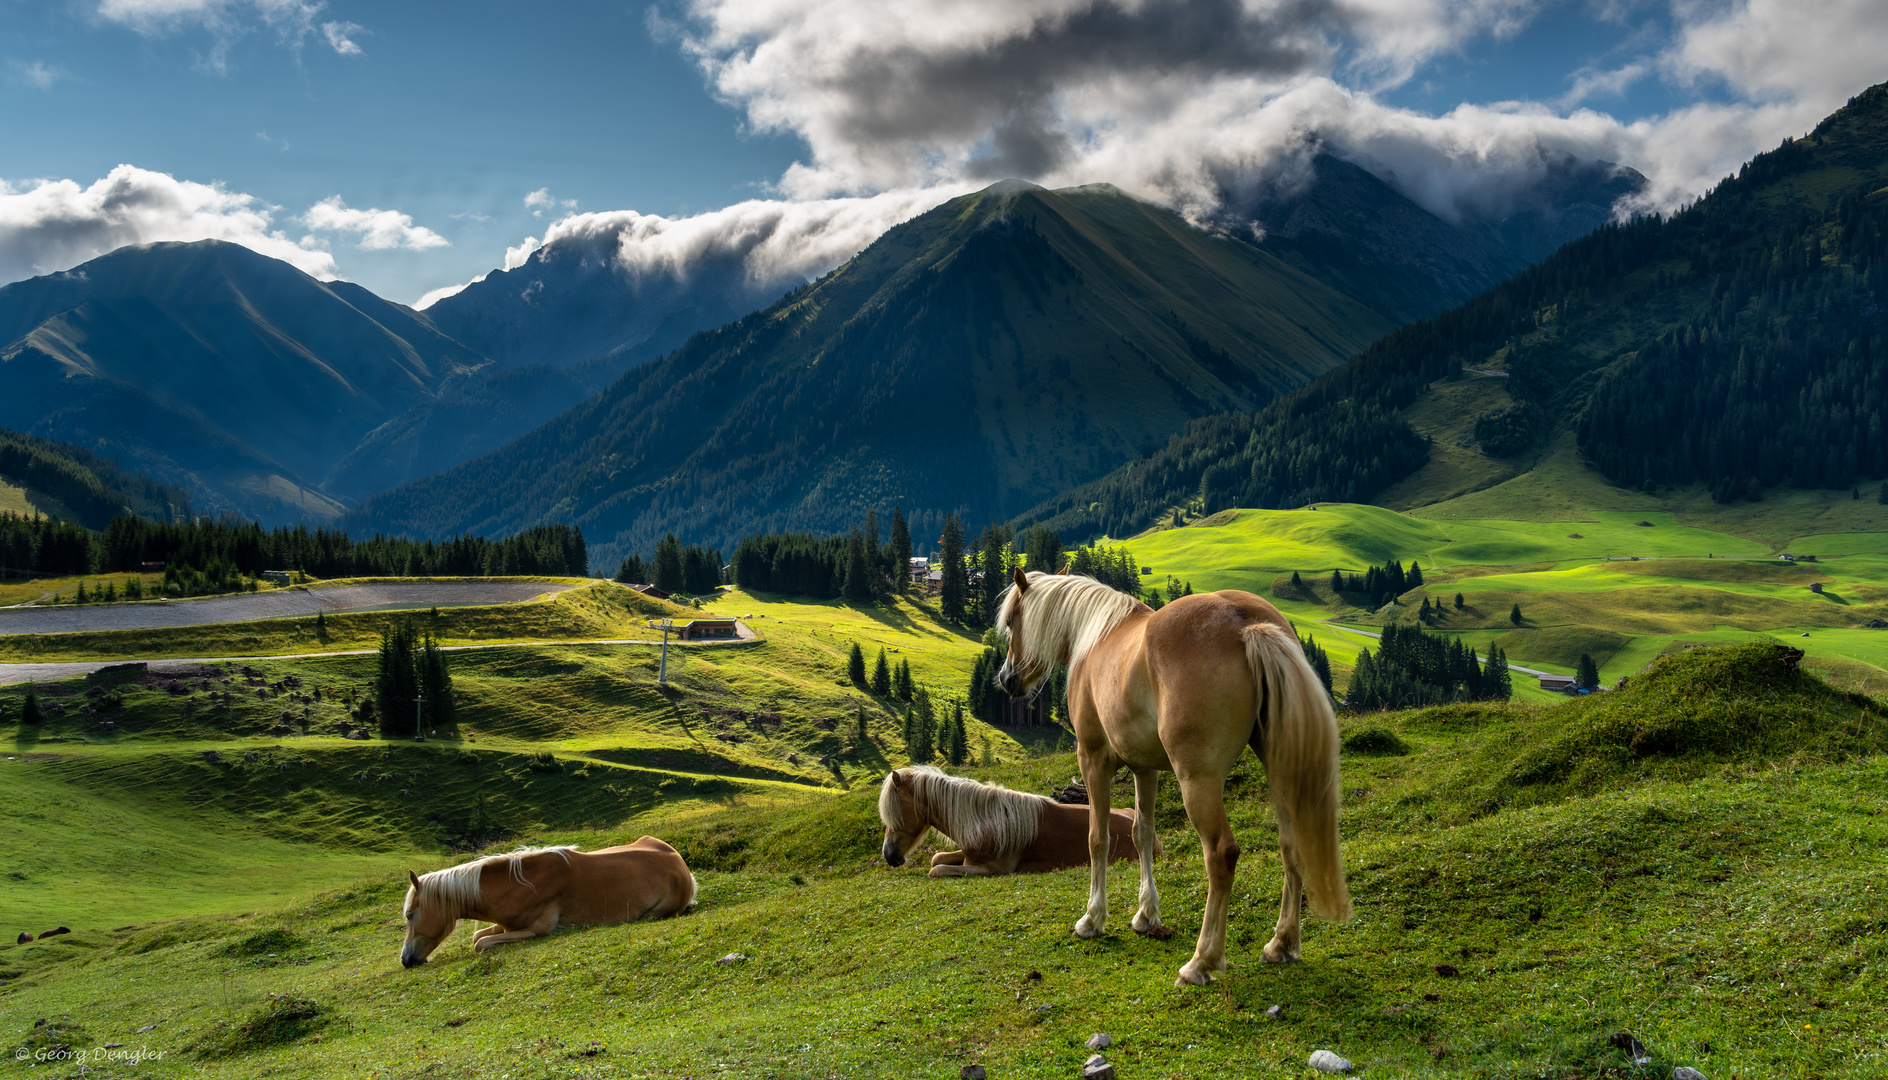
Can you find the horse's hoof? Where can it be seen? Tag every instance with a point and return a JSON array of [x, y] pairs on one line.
[[1277, 954], [1086, 929], [1192, 975]]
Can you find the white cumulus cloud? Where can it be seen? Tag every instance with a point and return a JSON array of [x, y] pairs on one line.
[[52, 225], [340, 37], [379, 230], [292, 22]]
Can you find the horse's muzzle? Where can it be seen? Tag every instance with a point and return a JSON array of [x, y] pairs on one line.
[[893, 857], [410, 958], [1006, 678]]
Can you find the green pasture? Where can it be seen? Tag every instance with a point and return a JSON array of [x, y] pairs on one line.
[[1693, 860], [592, 610], [1606, 585]]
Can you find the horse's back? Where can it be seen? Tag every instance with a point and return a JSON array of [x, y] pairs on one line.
[[646, 879]]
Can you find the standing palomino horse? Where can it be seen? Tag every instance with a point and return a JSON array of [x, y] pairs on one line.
[[999, 831], [1185, 690], [530, 893]]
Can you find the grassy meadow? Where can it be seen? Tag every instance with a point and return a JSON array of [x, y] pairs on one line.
[[1692, 861]]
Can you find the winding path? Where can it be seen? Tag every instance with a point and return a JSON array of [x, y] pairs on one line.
[[282, 604]]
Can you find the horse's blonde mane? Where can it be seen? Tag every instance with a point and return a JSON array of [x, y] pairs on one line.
[[974, 814], [1064, 615], [456, 888]]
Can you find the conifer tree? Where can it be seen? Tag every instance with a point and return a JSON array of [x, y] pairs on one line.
[[1297, 583], [668, 573], [953, 581], [959, 750], [435, 682], [864, 734], [859, 572], [855, 665], [900, 552], [1495, 680], [1415, 575], [29, 710], [902, 688], [994, 562], [881, 676], [321, 626], [1514, 614], [1337, 582], [873, 556], [1459, 602], [1587, 674]]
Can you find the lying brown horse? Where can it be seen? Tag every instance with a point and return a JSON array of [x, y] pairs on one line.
[[999, 831], [530, 893], [1186, 690]]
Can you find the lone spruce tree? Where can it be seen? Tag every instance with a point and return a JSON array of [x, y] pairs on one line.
[[1587, 675], [1514, 614], [901, 681], [882, 676], [855, 665], [959, 749], [29, 709]]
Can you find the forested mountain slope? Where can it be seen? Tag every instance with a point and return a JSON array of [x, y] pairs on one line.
[[1739, 345], [1001, 347], [71, 483], [227, 372]]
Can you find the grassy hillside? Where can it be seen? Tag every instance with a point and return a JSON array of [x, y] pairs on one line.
[[1690, 861], [1620, 585], [549, 737], [1042, 336]]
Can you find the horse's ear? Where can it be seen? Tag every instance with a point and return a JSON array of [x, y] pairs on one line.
[[414, 878], [898, 778], [1021, 579], [1065, 568]]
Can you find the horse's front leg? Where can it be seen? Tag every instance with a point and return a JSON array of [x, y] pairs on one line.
[[1205, 796], [1146, 791], [948, 858], [540, 926], [1098, 778]]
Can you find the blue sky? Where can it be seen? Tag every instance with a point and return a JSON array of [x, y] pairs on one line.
[[451, 114]]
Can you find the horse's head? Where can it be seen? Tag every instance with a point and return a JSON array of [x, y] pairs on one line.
[[1022, 669], [903, 815], [428, 922]]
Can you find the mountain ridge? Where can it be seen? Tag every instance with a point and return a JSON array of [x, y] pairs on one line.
[[940, 315]]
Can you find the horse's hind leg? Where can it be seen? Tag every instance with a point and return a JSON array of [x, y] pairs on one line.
[[1285, 944], [1146, 791], [1205, 797], [1098, 777]]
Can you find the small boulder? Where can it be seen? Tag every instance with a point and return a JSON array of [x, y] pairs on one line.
[[1686, 1072], [1632, 1046], [1099, 1041], [1097, 1068], [971, 1072], [1328, 1062], [1276, 1012], [733, 958]]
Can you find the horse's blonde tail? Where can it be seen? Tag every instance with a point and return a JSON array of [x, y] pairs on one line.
[[1298, 733]]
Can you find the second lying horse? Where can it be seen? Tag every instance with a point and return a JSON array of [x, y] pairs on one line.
[[533, 892], [1000, 831]]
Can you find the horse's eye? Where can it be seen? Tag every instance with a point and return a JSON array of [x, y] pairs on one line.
[[409, 916]]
